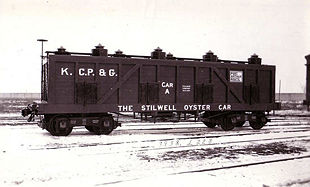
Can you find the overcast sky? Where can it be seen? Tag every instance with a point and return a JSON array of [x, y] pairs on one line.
[[277, 30]]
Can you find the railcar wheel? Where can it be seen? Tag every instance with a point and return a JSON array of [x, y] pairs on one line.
[[106, 126], [206, 115], [90, 128], [47, 126], [60, 126], [227, 124], [45, 122], [259, 123], [210, 125], [240, 124]]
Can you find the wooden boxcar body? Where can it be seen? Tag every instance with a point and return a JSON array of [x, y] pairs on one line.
[[83, 89]]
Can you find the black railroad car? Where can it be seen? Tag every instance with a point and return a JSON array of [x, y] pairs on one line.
[[83, 89]]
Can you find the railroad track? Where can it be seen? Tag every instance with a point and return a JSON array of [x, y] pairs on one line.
[[171, 144], [210, 133], [210, 169], [243, 165], [189, 134], [159, 126], [191, 146], [18, 120]]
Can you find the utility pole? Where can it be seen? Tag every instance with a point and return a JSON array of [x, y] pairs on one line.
[[280, 90], [307, 100], [42, 57]]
